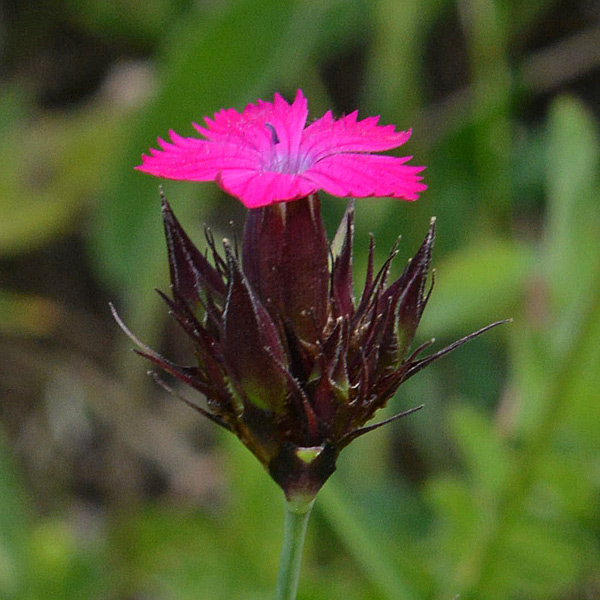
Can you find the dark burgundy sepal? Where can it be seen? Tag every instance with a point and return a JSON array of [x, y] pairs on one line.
[[386, 339], [250, 343], [411, 285], [305, 269], [259, 432], [374, 286], [191, 273], [285, 256], [341, 271], [198, 333], [262, 247], [331, 382], [370, 269]]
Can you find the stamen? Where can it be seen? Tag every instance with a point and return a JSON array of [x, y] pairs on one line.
[[274, 137]]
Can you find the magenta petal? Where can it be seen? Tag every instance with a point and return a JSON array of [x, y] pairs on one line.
[[246, 128], [266, 154], [257, 189], [228, 120], [364, 175], [197, 160], [326, 136], [288, 123]]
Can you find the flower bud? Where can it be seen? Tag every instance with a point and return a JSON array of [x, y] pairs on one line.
[[287, 359]]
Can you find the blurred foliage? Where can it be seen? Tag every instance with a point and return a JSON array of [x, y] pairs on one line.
[[109, 490]]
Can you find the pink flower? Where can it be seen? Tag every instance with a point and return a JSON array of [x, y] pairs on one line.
[[267, 154]]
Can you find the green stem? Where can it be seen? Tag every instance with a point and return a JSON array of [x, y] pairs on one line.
[[294, 530]]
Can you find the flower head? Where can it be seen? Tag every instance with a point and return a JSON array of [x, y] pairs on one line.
[[287, 359], [268, 154]]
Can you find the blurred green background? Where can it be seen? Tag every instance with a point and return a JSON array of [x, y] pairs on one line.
[[111, 490]]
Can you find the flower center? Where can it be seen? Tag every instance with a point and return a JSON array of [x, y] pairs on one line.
[[281, 160]]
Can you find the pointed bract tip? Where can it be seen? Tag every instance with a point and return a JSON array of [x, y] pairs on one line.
[[362, 430], [420, 364], [229, 253], [128, 332], [212, 417], [165, 207], [431, 232]]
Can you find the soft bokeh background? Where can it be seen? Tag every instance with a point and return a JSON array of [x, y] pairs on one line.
[[109, 489]]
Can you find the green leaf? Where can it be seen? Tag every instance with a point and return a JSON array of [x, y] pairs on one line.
[[573, 219], [457, 529], [542, 558], [580, 407], [481, 448]]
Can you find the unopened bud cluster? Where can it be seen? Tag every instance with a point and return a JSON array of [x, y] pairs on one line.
[[287, 358]]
